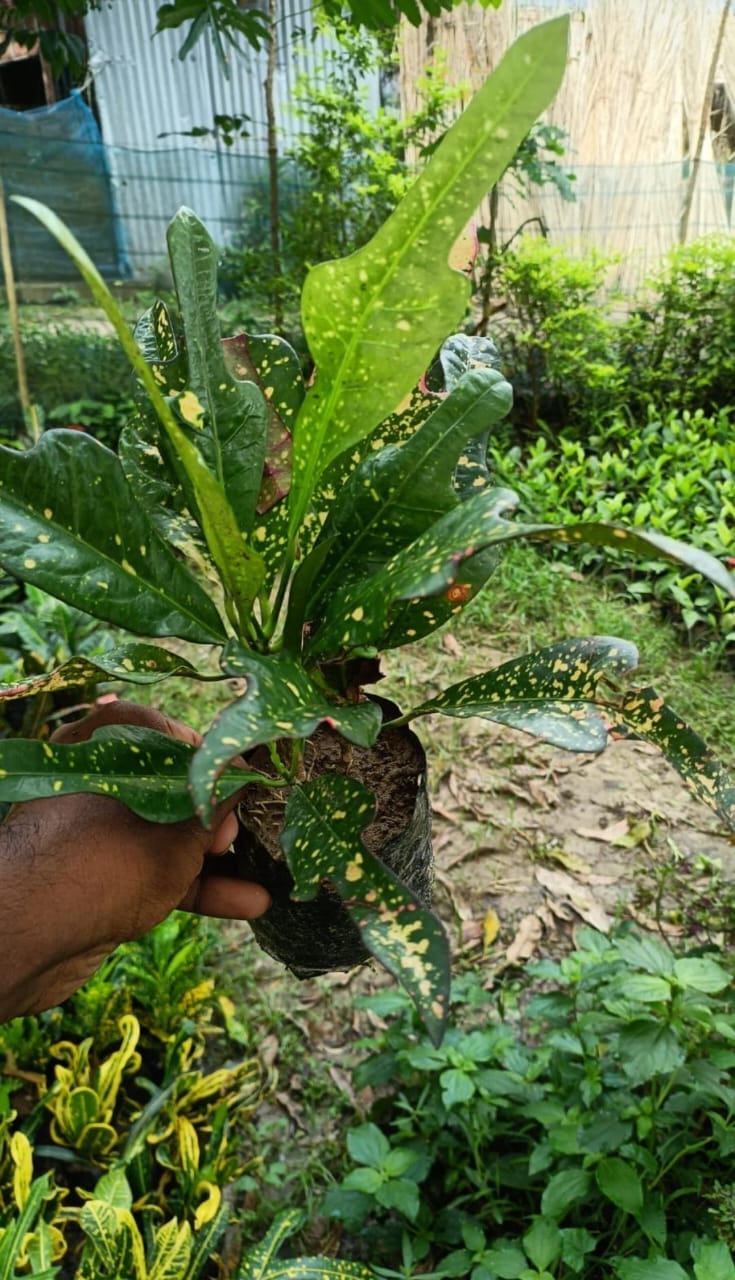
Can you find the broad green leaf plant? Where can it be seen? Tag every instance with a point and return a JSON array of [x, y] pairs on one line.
[[304, 529]]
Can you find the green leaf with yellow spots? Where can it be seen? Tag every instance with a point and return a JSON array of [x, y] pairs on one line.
[[389, 306], [552, 693], [280, 702], [157, 487], [366, 612], [132, 664], [225, 417], [273, 365], [145, 770], [322, 840], [241, 569], [261, 1262], [70, 525], [360, 614], [645, 713], [397, 493]]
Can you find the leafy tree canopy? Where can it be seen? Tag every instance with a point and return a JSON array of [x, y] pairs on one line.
[[225, 21]]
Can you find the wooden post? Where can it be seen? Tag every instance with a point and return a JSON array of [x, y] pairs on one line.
[[29, 409], [703, 122], [273, 175]]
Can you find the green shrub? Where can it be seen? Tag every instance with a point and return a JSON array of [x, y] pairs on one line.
[[342, 177], [675, 474], [680, 345], [581, 1125], [559, 345], [63, 362]]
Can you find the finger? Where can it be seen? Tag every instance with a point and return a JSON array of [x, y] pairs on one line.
[[124, 713], [224, 834], [227, 899]]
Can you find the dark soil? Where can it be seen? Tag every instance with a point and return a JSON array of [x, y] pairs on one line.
[[319, 935]]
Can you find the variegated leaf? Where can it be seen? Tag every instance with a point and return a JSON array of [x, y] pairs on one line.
[[133, 664], [171, 1251], [363, 613], [280, 702], [322, 839], [272, 364], [388, 307], [145, 770], [397, 493], [227, 418], [359, 615], [645, 713], [551, 693], [70, 525]]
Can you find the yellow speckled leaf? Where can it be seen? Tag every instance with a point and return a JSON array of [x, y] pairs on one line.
[[322, 840]]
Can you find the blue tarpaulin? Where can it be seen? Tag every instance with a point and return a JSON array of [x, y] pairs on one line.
[[55, 154]]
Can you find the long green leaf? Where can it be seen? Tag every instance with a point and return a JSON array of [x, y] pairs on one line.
[[242, 570], [359, 615], [232, 419], [363, 613], [145, 770], [273, 365], [322, 839], [281, 702], [398, 492], [70, 525], [374, 320], [552, 693], [645, 713], [132, 664], [243, 574], [258, 1260]]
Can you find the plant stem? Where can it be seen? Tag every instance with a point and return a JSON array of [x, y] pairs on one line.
[[273, 186], [30, 414]]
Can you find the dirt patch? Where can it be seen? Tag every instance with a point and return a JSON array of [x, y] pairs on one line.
[[528, 830]]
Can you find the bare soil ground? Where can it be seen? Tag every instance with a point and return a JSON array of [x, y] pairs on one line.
[[530, 843]]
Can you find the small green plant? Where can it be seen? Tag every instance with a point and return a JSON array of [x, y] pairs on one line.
[[674, 472], [342, 177], [577, 1123], [560, 347], [322, 526], [154, 1134], [679, 344]]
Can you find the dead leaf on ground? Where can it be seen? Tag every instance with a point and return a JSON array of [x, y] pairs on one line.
[[269, 1050], [490, 928], [561, 885], [607, 835], [451, 644], [569, 861], [295, 1112], [528, 935]]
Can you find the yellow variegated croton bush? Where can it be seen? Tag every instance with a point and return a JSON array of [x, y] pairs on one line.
[[302, 530]]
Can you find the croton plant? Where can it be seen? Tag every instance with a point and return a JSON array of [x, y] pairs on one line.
[[301, 530]]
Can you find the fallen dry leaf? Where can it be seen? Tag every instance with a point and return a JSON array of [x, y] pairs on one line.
[[528, 935], [608, 835], [451, 644], [490, 928], [561, 885], [569, 861]]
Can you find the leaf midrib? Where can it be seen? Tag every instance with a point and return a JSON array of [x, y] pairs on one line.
[[152, 588], [391, 269]]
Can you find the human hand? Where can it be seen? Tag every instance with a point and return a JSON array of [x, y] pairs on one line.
[[80, 874]]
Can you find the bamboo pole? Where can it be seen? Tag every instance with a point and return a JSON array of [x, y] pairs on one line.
[[703, 122], [29, 409]]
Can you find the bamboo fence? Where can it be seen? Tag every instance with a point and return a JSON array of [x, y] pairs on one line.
[[632, 102]]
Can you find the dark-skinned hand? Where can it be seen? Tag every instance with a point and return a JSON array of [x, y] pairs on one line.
[[79, 874]]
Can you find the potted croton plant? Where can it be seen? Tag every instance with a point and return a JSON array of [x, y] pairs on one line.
[[302, 530]]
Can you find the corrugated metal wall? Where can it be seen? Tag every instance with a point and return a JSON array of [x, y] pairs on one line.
[[144, 92]]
